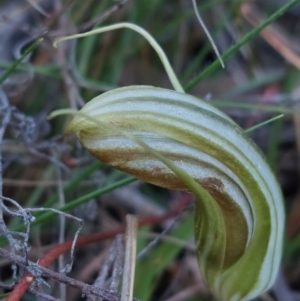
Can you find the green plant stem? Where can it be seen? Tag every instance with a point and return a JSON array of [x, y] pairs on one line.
[[255, 127], [45, 70], [85, 198], [40, 218], [239, 44], [8, 72], [172, 76], [75, 182], [254, 83], [274, 143], [250, 106]]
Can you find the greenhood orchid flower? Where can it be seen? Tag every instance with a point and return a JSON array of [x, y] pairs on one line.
[[177, 141]]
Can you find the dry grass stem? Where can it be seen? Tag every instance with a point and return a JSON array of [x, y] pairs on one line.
[[129, 258], [272, 34]]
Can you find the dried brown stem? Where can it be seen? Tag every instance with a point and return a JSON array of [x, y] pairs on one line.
[[272, 34], [85, 288], [60, 249]]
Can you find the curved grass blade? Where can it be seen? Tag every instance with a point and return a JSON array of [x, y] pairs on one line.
[[9, 71]]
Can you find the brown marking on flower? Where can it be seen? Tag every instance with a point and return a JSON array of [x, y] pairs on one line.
[[235, 222], [120, 124], [212, 183]]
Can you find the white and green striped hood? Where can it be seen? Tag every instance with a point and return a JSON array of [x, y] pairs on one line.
[[239, 219]]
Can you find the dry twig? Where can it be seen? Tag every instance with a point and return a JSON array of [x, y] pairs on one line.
[[129, 258], [47, 259]]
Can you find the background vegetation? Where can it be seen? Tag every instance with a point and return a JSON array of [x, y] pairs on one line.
[[41, 168]]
